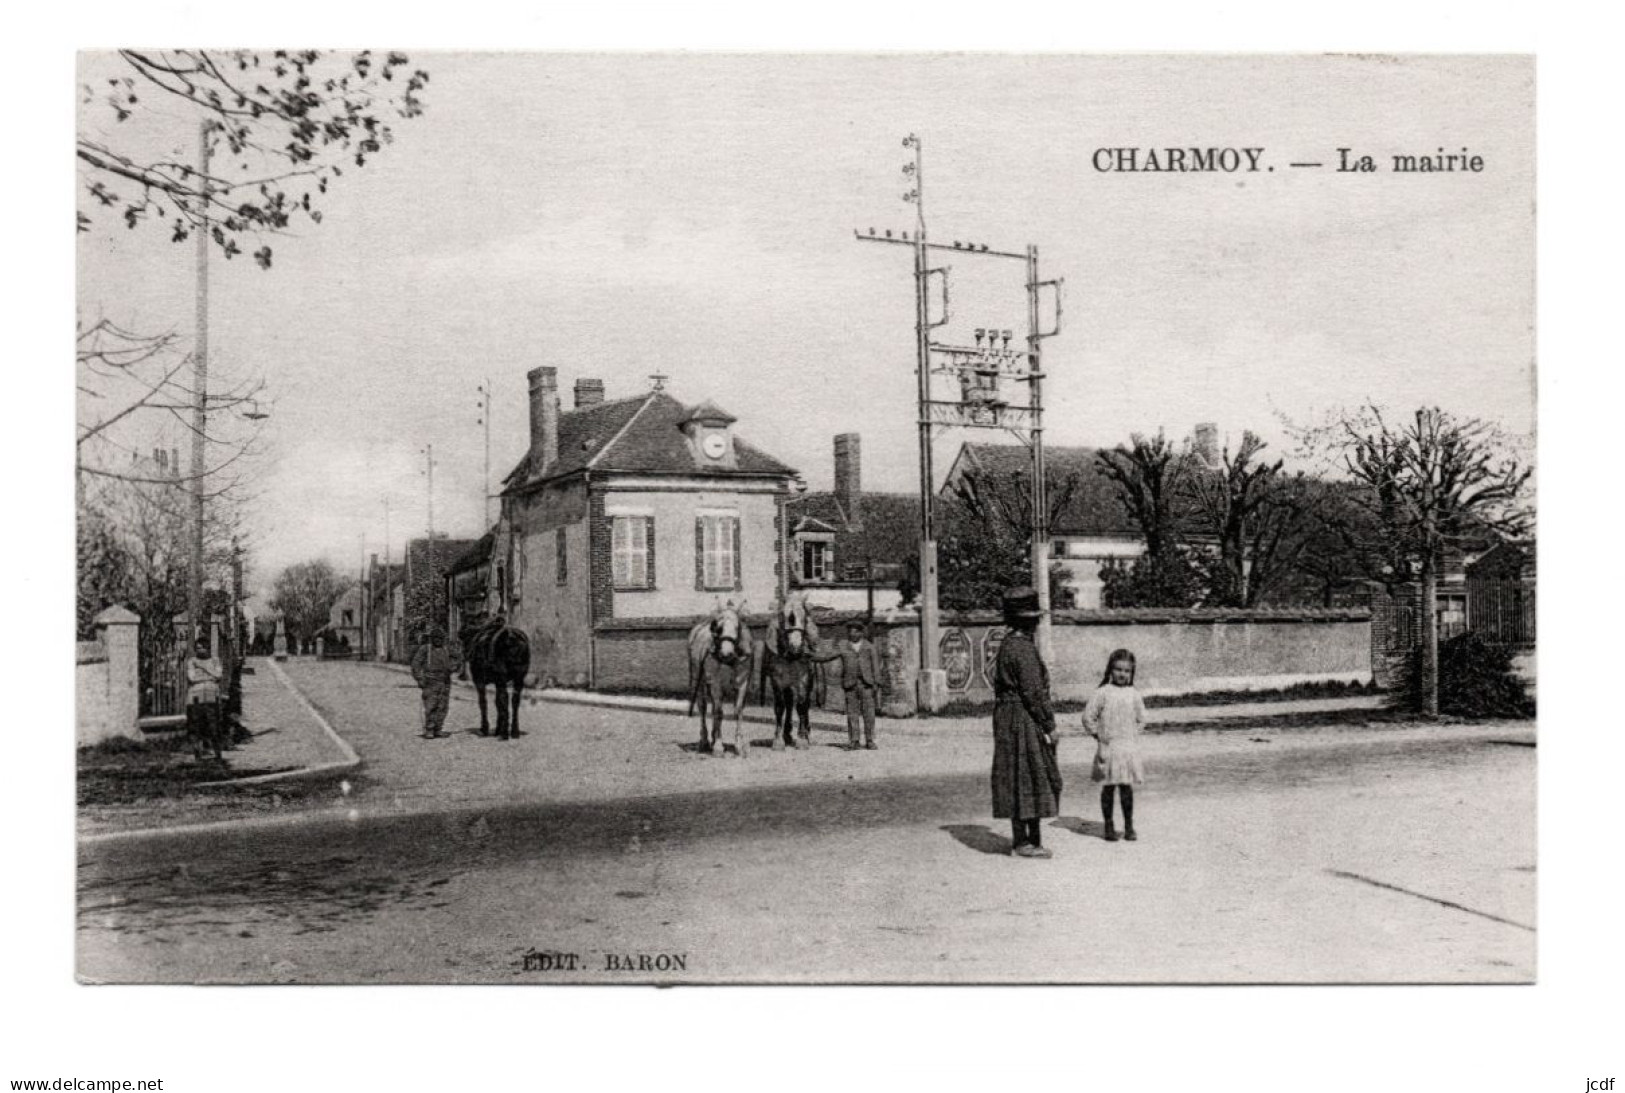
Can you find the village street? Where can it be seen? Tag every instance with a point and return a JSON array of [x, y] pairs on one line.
[[1376, 854]]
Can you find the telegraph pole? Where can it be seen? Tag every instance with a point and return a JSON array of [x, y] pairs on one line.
[[389, 593], [1040, 544], [980, 369], [485, 419], [361, 602], [200, 396], [933, 681], [428, 465]]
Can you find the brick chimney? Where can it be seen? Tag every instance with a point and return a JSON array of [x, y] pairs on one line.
[[589, 393], [1206, 443], [544, 418], [849, 477]]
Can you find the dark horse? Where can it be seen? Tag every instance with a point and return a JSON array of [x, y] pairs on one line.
[[787, 664], [721, 659], [498, 654]]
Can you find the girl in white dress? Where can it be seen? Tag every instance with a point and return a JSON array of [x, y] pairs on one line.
[[1114, 716]]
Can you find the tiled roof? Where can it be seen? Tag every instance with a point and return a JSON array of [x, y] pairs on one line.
[[640, 435], [474, 556], [889, 534], [437, 553], [1092, 508], [709, 412], [582, 435]]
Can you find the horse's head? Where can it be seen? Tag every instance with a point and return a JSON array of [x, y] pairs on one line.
[[472, 624], [794, 623], [727, 633]]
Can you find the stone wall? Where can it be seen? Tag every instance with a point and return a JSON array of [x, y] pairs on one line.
[[1179, 652]]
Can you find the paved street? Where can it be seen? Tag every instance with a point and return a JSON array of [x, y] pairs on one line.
[[1377, 856]]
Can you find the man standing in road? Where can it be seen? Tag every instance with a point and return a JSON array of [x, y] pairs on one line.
[[433, 665], [860, 675]]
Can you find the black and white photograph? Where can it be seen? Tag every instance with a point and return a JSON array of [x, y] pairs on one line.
[[670, 519], [749, 548]]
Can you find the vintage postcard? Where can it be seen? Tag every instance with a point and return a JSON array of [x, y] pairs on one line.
[[909, 519]]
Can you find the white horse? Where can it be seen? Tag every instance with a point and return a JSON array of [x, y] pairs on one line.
[[722, 658]]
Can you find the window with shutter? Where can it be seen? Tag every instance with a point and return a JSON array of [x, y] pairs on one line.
[[719, 552], [630, 552]]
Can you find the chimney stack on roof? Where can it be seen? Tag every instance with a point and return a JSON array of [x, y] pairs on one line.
[[849, 478], [544, 419], [1206, 443], [589, 393]]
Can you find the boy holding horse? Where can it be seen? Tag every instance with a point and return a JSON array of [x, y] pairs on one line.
[[860, 676]]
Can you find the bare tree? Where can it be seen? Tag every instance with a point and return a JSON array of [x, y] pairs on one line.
[[134, 541], [284, 126], [1262, 518], [988, 531], [1433, 481], [1150, 474], [1152, 477], [304, 595], [126, 381]]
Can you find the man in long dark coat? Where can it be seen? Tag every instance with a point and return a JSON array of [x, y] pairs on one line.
[[1026, 778]]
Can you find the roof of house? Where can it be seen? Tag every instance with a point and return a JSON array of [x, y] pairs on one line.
[[438, 552], [384, 581], [1506, 561], [1092, 507], [643, 435], [888, 533], [475, 556]]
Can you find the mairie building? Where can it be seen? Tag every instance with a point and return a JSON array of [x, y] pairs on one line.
[[639, 511]]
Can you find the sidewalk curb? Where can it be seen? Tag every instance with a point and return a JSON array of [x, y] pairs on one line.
[[636, 703], [830, 721], [316, 772]]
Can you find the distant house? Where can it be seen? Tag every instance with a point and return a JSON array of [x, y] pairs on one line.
[[469, 582], [849, 549], [385, 609], [345, 616], [627, 511], [1090, 529], [422, 599]]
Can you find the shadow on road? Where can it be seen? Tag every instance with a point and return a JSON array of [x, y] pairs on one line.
[[1092, 829], [983, 840]]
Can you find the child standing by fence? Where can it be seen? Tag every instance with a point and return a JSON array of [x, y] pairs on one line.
[[1114, 716]]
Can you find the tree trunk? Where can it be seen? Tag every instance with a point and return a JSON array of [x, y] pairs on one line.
[[1430, 637]]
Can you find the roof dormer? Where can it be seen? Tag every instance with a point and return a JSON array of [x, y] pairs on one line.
[[709, 430]]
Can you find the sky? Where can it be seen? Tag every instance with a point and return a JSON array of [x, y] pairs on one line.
[[621, 215]]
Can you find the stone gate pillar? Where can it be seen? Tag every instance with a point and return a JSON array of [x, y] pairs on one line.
[[120, 635]]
